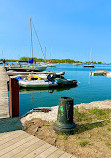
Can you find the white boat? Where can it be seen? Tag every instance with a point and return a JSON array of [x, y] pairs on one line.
[[1, 62], [43, 74], [76, 63], [98, 73], [36, 83], [89, 65], [108, 74], [48, 64]]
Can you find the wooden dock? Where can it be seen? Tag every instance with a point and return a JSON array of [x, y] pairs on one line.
[[18, 144], [4, 109]]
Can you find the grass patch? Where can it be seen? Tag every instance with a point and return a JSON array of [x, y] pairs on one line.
[[47, 124], [83, 143], [62, 136], [109, 129], [91, 115], [100, 113]]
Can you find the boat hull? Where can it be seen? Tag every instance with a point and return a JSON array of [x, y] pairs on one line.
[[26, 69], [88, 66], [36, 83]]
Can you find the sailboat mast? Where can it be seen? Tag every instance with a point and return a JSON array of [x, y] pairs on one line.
[[45, 54], [31, 36], [39, 42], [51, 54], [90, 54]]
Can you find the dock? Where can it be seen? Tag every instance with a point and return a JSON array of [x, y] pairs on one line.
[[18, 144], [99, 73], [4, 109]]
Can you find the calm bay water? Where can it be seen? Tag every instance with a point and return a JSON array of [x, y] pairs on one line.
[[93, 88]]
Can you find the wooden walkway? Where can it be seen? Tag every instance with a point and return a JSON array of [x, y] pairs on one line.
[[4, 109], [18, 144]]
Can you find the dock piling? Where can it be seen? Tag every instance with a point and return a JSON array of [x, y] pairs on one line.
[[14, 97]]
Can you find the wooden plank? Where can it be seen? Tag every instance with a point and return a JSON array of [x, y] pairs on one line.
[[39, 150], [56, 154], [10, 139], [66, 155], [9, 134], [47, 152], [73, 157], [4, 110], [30, 141], [17, 143], [30, 149]]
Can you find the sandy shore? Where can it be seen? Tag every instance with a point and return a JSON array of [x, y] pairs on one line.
[[52, 115]]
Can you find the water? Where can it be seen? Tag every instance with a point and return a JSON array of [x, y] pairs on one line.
[[93, 88]]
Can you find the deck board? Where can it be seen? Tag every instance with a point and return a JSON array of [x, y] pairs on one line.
[[18, 144], [4, 109]]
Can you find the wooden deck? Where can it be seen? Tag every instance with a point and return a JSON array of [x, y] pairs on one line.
[[4, 109], [18, 144]]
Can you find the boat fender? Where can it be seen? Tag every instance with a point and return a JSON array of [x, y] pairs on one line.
[[30, 77], [19, 78]]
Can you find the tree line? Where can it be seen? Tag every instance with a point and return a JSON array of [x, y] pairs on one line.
[[51, 60]]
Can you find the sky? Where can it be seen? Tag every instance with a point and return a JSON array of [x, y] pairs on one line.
[[70, 28]]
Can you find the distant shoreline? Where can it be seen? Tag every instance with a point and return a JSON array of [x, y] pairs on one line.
[[54, 60]]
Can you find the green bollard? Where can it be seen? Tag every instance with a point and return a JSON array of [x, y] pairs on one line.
[[64, 123]]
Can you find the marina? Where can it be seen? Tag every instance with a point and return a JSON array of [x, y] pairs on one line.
[[55, 79]]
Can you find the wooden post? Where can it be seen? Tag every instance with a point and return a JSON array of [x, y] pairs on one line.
[[14, 97]]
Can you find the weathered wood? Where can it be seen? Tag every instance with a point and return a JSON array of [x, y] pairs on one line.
[[19, 144], [4, 109], [14, 97]]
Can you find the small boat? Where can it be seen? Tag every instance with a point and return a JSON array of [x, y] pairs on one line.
[[26, 69], [47, 64], [108, 74], [98, 73], [36, 83], [64, 81], [89, 66], [76, 63], [1, 62]]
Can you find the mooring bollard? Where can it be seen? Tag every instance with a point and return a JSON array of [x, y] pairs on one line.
[[14, 97], [64, 123]]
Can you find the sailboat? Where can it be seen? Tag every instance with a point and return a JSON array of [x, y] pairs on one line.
[[89, 65], [25, 66], [48, 64]]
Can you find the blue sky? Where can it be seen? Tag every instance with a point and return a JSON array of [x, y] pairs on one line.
[[69, 27]]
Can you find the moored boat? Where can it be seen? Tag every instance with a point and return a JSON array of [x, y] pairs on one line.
[[89, 66], [64, 81], [36, 83], [1, 62], [108, 74]]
